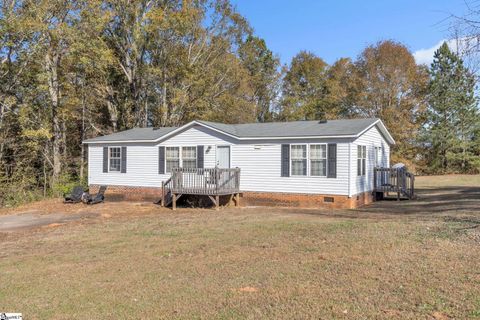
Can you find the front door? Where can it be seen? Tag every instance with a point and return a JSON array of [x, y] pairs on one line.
[[223, 156]]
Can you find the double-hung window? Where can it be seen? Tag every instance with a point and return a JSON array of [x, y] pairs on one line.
[[299, 159], [318, 159], [189, 157], [361, 160], [172, 158], [176, 157], [114, 159]]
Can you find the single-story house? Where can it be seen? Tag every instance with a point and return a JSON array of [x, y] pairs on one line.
[[304, 163]]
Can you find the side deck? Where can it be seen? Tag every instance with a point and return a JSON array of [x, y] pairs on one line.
[[394, 180]]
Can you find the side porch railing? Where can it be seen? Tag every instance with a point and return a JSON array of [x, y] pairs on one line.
[[211, 182], [396, 180]]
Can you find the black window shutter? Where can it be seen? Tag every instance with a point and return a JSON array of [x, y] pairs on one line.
[[200, 156], [123, 166], [332, 160], [161, 160], [105, 159], [285, 166]]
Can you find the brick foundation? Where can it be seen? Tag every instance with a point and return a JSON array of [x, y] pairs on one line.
[[119, 193], [305, 200], [272, 199]]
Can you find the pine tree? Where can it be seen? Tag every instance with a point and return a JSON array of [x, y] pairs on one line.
[[452, 116]]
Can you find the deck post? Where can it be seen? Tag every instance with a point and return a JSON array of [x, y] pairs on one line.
[[413, 187], [237, 200], [174, 201], [398, 185], [217, 202]]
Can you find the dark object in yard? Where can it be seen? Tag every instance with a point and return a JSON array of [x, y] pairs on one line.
[[98, 198], [75, 196]]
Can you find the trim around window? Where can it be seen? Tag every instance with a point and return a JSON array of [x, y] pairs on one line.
[[114, 159], [303, 160], [179, 156], [361, 160], [318, 160]]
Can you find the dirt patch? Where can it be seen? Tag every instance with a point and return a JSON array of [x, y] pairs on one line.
[[21, 221]]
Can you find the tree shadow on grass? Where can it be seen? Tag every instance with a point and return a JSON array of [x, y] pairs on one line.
[[443, 203], [440, 201]]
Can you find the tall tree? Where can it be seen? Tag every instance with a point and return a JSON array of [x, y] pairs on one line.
[[263, 68], [341, 85], [453, 118], [391, 86], [304, 88]]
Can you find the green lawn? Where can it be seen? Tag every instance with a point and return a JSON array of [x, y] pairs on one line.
[[250, 264]]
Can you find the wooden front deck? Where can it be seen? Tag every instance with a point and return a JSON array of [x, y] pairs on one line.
[[212, 182]]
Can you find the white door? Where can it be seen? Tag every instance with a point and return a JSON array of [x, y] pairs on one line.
[[223, 156]]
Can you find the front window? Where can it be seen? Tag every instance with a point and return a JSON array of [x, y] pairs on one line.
[[172, 158], [114, 159], [299, 159], [189, 157], [318, 160], [361, 160]]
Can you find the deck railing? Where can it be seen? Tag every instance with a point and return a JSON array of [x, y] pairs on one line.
[[397, 180], [212, 181]]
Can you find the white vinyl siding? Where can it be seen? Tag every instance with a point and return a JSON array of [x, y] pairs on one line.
[[371, 138], [259, 161], [260, 165], [142, 164]]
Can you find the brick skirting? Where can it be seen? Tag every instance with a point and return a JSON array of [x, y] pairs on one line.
[[119, 193], [276, 199], [305, 200]]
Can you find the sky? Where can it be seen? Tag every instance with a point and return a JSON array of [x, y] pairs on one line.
[[342, 28]]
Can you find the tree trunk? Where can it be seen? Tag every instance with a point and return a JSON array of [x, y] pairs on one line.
[[52, 61], [2, 137], [112, 110], [164, 110], [82, 153]]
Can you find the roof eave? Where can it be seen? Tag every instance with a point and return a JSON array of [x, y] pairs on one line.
[[241, 139]]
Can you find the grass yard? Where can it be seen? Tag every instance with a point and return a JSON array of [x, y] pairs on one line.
[[404, 260]]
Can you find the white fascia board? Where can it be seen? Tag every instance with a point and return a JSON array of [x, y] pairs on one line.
[[242, 139]]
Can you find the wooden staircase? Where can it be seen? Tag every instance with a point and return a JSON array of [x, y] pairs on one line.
[[167, 196]]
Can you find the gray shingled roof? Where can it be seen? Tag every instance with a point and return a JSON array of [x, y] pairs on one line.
[[295, 128], [347, 127], [134, 134]]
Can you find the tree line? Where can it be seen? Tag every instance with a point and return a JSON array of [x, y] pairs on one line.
[[71, 70]]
